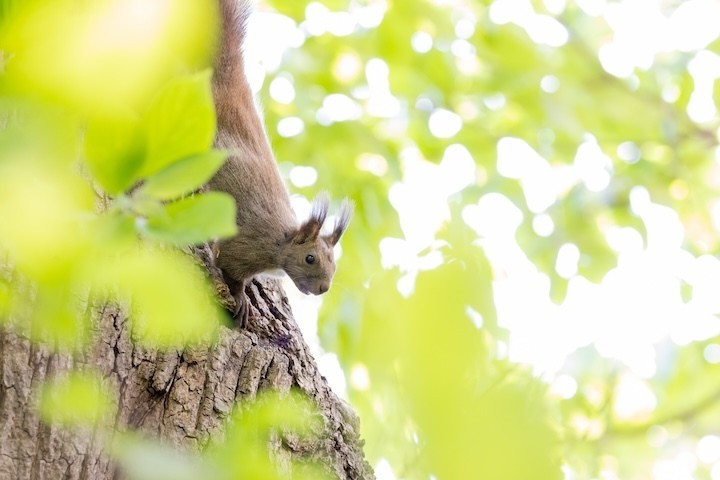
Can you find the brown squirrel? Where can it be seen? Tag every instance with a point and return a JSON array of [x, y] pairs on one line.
[[269, 235]]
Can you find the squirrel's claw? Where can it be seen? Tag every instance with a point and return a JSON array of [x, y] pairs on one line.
[[242, 310]]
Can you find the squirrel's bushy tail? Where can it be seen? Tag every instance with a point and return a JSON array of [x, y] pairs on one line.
[[239, 124], [233, 24]]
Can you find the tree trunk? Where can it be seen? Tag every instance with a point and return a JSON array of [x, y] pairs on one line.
[[182, 398]]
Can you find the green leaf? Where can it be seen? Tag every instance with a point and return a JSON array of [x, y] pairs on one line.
[[244, 450], [114, 152], [180, 121], [115, 230], [147, 207], [74, 400], [184, 176], [195, 219], [142, 459], [56, 316], [171, 302]]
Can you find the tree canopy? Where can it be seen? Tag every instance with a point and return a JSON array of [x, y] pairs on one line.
[[529, 280]]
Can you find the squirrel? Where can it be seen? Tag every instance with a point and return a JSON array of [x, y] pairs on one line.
[[269, 238]]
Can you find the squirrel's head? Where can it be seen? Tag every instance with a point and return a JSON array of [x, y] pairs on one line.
[[307, 256]]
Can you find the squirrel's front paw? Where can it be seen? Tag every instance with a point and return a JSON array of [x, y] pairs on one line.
[[242, 309]]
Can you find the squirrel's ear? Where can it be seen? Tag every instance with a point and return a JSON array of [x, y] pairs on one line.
[[341, 224], [311, 228]]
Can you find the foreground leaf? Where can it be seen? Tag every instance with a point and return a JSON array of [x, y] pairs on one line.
[[195, 219], [78, 399], [184, 176], [114, 151], [143, 459], [180, 122], [170, 302]]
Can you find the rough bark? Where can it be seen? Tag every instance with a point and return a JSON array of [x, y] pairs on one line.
[[182, 398]]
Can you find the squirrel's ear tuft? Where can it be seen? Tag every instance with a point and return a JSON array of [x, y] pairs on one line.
[[320, 208], [311, 228], [342, 222]]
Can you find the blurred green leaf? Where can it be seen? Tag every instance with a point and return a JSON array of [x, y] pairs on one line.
[[57, 316], [184, 176], [171, 302], [36, 133], [146, 207], [435, 379], [76, 400], [62, 52], [115, 231], [515, 436], [195, 219], [180, 121], [244, 451], [42, 208], [114, 152], [144, 459]]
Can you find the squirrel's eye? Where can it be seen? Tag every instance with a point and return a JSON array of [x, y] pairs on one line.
[[310, 259]]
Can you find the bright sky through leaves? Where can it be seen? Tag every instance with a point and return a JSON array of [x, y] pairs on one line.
[[637, 304]]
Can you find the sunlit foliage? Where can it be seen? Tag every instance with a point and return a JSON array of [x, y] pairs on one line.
[[74, 401], [573, 145], [243, 451], [75, 218]]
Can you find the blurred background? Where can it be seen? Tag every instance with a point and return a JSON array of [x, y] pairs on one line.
[[530, 281]]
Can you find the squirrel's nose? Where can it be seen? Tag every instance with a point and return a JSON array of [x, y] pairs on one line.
[[323, 288]]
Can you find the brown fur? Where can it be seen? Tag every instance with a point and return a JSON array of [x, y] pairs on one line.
[[270, 237]]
